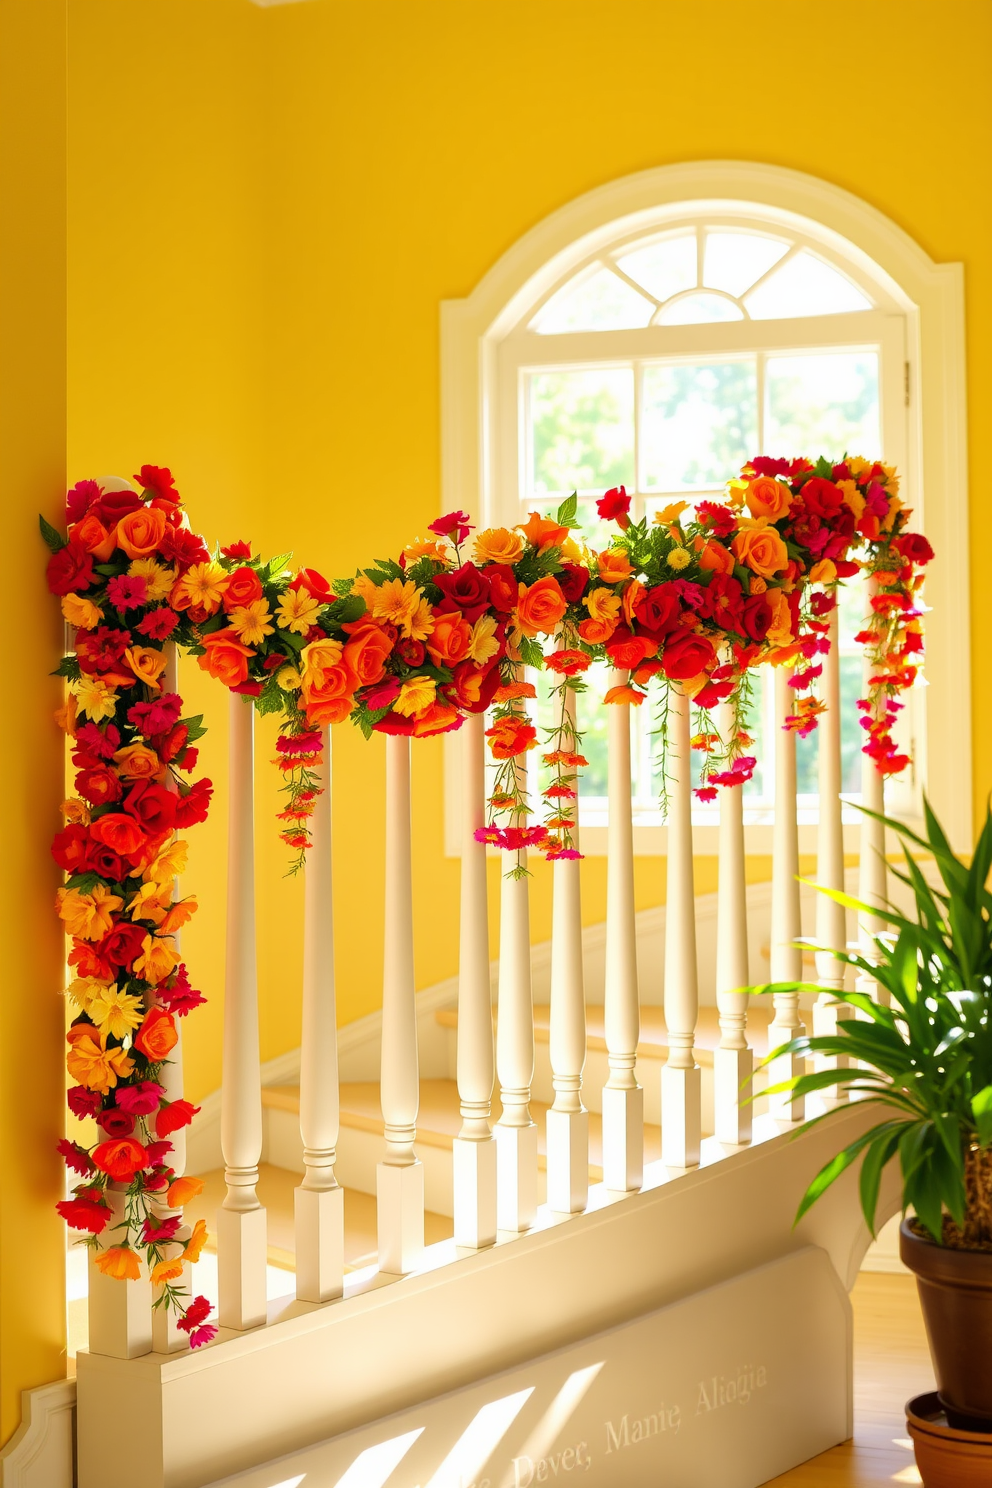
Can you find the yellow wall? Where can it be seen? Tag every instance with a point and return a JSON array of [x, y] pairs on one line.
[[299, 189]]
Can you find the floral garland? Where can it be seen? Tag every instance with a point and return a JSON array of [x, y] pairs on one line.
[[405, 647]]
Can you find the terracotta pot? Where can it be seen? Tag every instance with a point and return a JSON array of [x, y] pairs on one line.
[[955, 1289], [947, 1458]]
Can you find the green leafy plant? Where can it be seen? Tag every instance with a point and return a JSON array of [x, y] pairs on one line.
[[927, 1056]]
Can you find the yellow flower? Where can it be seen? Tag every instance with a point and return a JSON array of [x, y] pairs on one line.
[[679, 558], [895, 506], [65, 716], [483, 644], [670, 513], [421, 622], [857, 465], [318, 658], [92, 1063], [416, 696], [120, 1262], [158, 580], [424, 548], [94, 698], [498, 545], [196, 1242], [169, 863], [157, 960], [151, 901], [76, 811], [289, 679], [602, 604], [891, 481], [205, 584], [365, 589], [164, 1271], [89, 916], [297, 611], [823, 572], [397, 602], [853, 498], [178, 914], [116, 1013], [147, 664], [81, 612], [83, 990], [250, 622]]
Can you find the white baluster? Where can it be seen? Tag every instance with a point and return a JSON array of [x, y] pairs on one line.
[[319, 1200], [400, 1176], [733, 1060], [120, 1312], [623, 1098], [568, 1119], [516, 1134], [241, 1220], [872, 869], [166, 1336], [680, 1077], [831, 928], [786, 925], [474, 1149]]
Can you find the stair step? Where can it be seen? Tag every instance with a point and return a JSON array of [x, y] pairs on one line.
[[653, 1042], [440, 1119]]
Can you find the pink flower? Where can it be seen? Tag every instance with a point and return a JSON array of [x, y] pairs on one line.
[[383, 695], [80, 498], [156, 1233], [199, 1336], [560, 854], [101, 742], [127, 593], [705, 793], [156, 717], [140, 1099], [181, 998], [455, 525], [76, 1157], [196, 1313]]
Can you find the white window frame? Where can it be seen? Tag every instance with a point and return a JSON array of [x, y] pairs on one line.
[[485, 344]]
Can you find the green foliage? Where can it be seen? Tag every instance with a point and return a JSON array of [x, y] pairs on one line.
[[52, 536], [69, 667], [531, 652], [271, 699], [348, 609], [566, 515], [273, 568], [195, 727], [928, 1055]]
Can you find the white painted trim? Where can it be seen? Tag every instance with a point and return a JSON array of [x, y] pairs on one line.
[[930, 295], [41, 1453]]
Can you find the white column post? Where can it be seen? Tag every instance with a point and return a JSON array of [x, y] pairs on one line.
[[623, 1098], [786, 925], [733, 1060], [120, 1312], [568, 1119], [319, 1200], [516, 1134], [831, 926], [474, 1149], [400, 1176], [241, 1221], [681, 1117], [872, 869]]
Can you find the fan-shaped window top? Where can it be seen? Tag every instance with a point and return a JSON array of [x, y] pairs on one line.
[[700, 276]]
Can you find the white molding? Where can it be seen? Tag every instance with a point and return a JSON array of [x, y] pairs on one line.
[[41, 1453], [930, 295]]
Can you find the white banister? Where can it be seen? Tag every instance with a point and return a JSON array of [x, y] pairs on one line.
[[872, 870], [400, 1176], [568, 1119], [786, 924], [680, 1076], [241, 1220], [474, 1149], [733, 1059], [119, 1312], [831, 927], [516, 1133], [623, 1098], [319, 1200]]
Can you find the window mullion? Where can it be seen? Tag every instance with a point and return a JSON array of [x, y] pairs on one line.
[[762, 359]]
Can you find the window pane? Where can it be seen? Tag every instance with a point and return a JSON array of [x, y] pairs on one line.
[[582, 430], [600, 302], [805, 286], [700, 422], [733, 261], [825, 404], [699, 309], [663, 268]]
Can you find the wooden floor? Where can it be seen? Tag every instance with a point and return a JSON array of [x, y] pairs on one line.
[[891, 1365]]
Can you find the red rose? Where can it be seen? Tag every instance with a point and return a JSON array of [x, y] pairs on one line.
[[467, 588], [103, 860], [151, 805], [686, 655], [84, 1214], [174, 1116], [113, 505], [614, 505], [119, 831], [470, 689], [627, 651], [69, 848], [659, 610], [194, 806], [821, 497], [502, 587], [121, 946], [116, 1123], [243, 588], [574, 581], [120, 1158], [314, 583], [914, 547], [70, 569], [756, 617], [100, 786], [173, 744]]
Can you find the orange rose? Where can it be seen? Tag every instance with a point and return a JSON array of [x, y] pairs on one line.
[[613, 567], [716, 558], [450, 639], [226, 657], [147, 664], [540, 606], [137, 762], [542, 532], [367, 653], [322, 710], [761, 550], [243, 588], [511, 736], [633, 596], [825, 572], [597, 631], [93, 536], [157, 1037], [767, 497], [140, 532], [498, 545], [436, 719], [780, 630]]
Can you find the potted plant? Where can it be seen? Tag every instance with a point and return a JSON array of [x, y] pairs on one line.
[[925, 1059]]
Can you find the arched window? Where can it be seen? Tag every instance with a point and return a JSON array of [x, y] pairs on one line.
[[659, 346]]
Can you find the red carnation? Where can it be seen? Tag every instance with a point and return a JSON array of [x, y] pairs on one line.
[[158, 479], [159, 624], [174, 1117], [237, 550], [614, 506], [84, 1214], [76, 1157], [455, 525], [194, 806], [70, 569], [180, 998], [181, 546], [83, 1102], [80, 498]]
